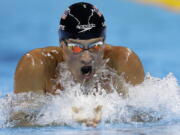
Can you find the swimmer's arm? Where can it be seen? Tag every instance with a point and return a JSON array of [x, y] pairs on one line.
[[35, 71], [133, 68], [29, 73], [126, 62]]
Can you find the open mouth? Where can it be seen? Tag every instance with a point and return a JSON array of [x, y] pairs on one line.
[[86, 71]]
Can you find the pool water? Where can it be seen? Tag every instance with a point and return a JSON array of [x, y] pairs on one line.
[[150, 31]]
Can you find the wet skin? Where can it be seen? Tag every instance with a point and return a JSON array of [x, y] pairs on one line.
[[36, 71]]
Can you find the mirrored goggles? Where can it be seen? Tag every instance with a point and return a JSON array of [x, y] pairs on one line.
[[77, 48]]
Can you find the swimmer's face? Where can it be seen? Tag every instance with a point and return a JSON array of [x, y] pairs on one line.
[[83, 57]]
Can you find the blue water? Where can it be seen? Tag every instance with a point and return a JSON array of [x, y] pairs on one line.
[[150, 31]]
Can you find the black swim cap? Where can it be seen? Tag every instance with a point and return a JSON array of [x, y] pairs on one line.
[[82, 21]]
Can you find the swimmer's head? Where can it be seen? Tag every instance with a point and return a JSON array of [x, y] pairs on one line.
[[82, 21], [82, 35]]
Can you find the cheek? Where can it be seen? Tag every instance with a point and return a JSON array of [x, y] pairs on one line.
[[74, 59], [98, 60], [67, 53], [97, 56], [74, 64]]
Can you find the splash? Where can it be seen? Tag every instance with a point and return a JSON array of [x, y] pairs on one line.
[[153, 101]]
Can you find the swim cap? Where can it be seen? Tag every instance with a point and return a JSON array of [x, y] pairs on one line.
[[82, 21]]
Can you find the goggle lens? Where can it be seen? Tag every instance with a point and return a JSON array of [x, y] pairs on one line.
[[77, 49], [96, 46], [92, 47]]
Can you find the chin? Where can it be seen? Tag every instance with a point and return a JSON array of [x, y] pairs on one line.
[[87, 78]]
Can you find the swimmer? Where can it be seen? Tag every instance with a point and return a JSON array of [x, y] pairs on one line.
[[82, 34], [82, 45]]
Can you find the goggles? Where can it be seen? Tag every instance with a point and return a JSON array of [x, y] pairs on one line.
[[77, 48]]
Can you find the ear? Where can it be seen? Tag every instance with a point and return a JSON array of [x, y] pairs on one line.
[[66, 52], [63, 43]]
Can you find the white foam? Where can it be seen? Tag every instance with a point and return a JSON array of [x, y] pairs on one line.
[[155, 99]]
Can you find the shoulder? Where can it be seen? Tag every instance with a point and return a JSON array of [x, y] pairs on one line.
[[118, 53], [39, 59], [46, 53], [124, 60], [35, 68]]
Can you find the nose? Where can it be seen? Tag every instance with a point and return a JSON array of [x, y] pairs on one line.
[[86, 58]]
